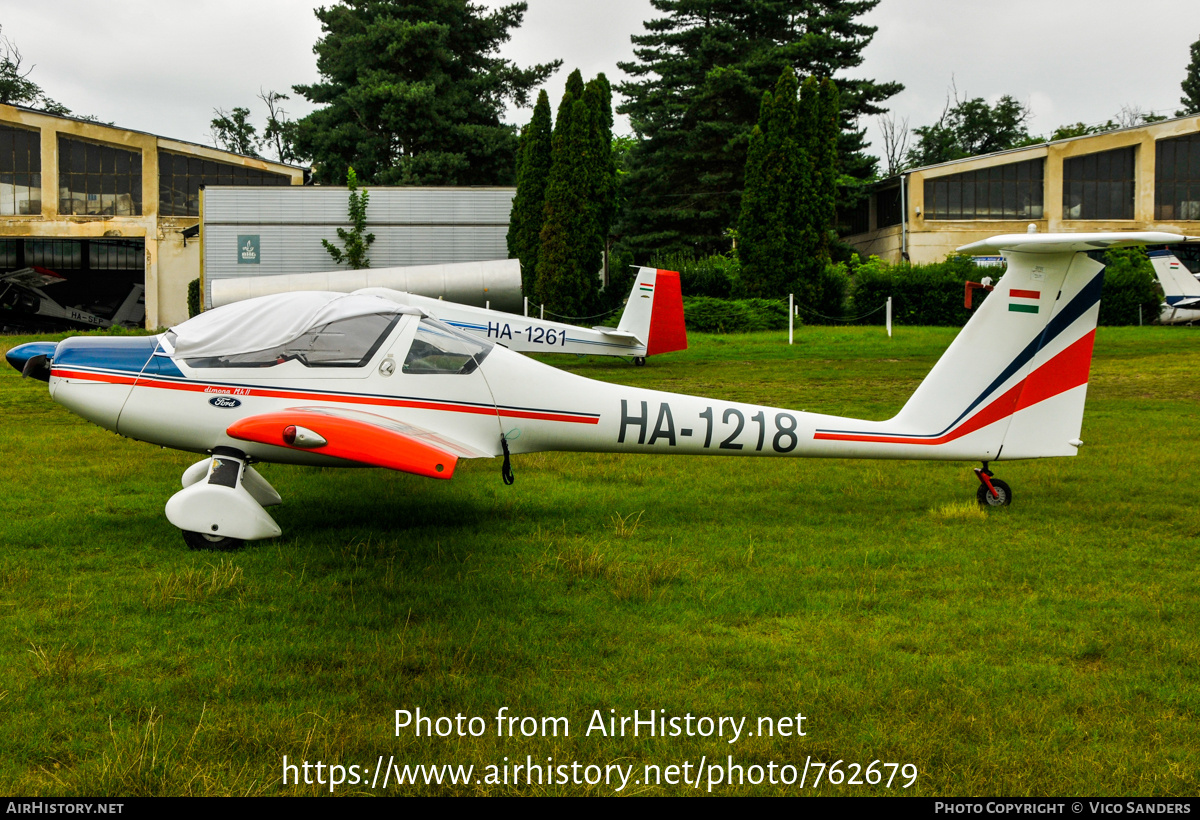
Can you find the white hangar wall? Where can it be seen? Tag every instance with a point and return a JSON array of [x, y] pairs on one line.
[[275, 231]]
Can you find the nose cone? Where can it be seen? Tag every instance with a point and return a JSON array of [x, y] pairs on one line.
[[95, 374], [32, 359]]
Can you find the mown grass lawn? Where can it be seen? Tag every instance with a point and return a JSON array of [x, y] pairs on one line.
[[1047, 649]]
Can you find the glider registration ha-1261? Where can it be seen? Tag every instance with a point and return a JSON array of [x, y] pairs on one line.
[[352, 379]]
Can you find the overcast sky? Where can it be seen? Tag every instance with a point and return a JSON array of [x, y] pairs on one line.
[[162, 66]]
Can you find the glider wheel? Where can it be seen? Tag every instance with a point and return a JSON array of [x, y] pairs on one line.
[[220, 543], [639, 361], [986, 499]]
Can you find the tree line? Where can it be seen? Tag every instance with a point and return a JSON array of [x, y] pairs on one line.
[[742, 144]]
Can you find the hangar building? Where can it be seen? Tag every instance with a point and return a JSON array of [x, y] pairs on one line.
[[1146, 177], [107, 208]]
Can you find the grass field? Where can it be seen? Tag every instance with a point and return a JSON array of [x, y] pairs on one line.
[[1046, 649]]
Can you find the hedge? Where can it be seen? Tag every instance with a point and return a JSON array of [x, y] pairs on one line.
[[705, 314], [855, 292]]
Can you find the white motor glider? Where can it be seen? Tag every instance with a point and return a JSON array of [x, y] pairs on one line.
[[652, 323], [1181, 289], [350, 380]]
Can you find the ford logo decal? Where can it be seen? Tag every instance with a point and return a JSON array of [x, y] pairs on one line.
[[224, 401]]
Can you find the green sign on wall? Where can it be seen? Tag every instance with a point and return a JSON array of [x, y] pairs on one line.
[[248, 249]]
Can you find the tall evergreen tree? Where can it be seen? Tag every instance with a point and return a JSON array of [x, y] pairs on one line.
[[533, 168], [770, 212], [789, 205], [698, 82], [580, 200], [1191, 85], [563, 283], [413, 92], [820, 109], [602, 180]]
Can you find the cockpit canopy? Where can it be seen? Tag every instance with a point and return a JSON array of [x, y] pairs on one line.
[[318, 329]]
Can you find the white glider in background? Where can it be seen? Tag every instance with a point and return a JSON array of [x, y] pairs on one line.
[[1181, 289], [652, 323], [357, 380]]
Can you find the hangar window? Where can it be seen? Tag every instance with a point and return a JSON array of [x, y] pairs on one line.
[[887, 207], [1012, 191], [56, 254], [180, 178], [857, 219], [1177, 178], [20, 171], [98, 180], [1099, 186]]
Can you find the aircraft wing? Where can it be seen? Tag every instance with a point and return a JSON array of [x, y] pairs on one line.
[[353, 435], [32, 277]]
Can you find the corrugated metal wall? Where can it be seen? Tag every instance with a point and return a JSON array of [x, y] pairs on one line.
[[412, 226]]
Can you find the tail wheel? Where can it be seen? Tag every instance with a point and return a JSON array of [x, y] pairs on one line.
[[218, 543], [639, 361], [1002, 498]]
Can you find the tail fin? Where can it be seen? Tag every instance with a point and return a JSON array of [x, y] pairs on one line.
[[1180, 287], [1012, 384], [654, 312]]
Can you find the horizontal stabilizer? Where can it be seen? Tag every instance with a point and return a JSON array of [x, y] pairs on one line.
[[1069, 242]]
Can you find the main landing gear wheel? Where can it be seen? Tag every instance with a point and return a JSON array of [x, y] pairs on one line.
[[639, 361], [1002, 498], [992, 492], [203, 541]]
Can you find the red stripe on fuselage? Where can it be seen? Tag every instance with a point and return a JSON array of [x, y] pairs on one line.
[[1025, 294], [1065, 371], [378, 401]]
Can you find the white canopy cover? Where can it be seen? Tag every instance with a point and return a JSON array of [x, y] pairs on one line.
[[270, 321]]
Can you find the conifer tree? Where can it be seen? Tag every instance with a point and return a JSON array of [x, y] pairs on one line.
[[1191, 85], [412, 91], [818, 112], [533, 168], [563, 285], [770, 203], [789, 204], [698, 79], [580, 200]]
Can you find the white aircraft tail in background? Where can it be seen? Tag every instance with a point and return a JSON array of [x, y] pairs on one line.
[[1181, 289]]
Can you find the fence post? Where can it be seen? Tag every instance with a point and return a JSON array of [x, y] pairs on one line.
[[791, 314], [526, 307], [889, 317]]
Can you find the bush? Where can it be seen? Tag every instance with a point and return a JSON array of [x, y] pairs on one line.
[[833, 287], [1129, 283], [193, 298], [716, 276], [921, 294], [705, 314]]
